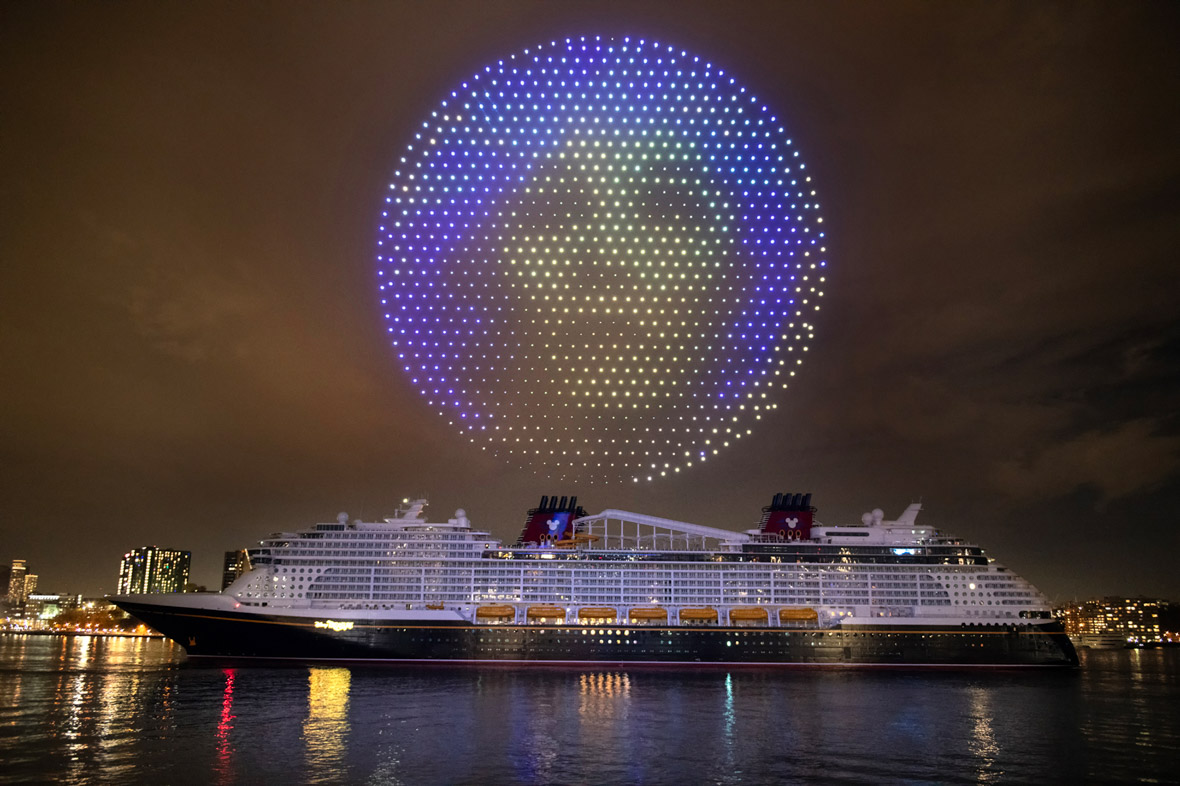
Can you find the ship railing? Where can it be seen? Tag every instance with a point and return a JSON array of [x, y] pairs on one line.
[[773, 538], [616, 529]]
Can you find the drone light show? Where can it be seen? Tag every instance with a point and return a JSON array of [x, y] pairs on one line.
[[600, 258]]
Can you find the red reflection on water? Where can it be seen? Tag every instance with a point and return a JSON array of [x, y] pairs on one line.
[[225, 725]]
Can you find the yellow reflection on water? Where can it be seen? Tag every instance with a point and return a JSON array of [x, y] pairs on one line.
[[325, 732], [85, 646], [982, 742], [599, 685], [604, 700], [603, 707], [117, 695], [73, 698]]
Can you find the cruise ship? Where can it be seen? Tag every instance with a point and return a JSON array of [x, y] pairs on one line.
[[619, 588]]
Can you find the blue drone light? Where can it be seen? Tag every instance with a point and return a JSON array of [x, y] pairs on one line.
[[599, 258]]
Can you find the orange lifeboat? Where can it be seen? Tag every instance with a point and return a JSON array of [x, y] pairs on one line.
[[597, 613], [495, 613], [648, 614], [546, 613], [798, 615], [755, 614], [698, 615]]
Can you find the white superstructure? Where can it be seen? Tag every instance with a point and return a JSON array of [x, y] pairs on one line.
[[624, 561]]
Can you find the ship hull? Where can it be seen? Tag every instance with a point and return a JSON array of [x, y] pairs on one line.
[[249, 635]]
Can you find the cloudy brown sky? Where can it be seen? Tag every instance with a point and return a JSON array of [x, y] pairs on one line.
[[192, 352]]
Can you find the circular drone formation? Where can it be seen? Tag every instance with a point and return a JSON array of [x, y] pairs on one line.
[[599, 258]]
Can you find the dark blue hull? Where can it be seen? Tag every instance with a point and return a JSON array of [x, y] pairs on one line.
[[237, 635]]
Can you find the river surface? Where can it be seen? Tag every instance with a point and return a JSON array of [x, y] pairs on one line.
[[82, 709]]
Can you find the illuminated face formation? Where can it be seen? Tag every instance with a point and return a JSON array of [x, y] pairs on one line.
[[599, 259]]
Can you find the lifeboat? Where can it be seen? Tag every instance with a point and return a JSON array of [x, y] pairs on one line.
[[435, 606], [648, 614], [546, 613], [798, 615], [495, 613], [698, 615], [575, 541], [755, 614], [597, 613]]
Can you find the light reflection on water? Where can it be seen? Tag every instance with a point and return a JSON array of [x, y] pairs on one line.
[[983, 739], [325, 732], [95, 710], [225, 726]]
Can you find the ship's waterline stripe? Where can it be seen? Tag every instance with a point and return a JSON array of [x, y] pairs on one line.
[[628, 664]]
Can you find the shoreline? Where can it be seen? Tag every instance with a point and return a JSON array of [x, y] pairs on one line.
[[105, 633]]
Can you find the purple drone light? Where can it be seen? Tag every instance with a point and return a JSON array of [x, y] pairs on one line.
[[600, 257]]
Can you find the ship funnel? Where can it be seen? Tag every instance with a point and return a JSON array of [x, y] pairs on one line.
[[789, 516], [549, 523]]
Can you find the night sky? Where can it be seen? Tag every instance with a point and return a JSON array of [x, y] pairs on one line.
[[194, 355]]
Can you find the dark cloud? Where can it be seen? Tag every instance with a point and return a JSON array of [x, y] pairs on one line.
[[188, 320], [1130, 459]]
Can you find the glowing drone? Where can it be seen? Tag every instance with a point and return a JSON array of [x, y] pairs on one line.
[[600, 258]]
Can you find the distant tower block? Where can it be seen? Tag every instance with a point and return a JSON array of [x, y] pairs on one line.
[[236, 563], [151, 569], [16, 583]]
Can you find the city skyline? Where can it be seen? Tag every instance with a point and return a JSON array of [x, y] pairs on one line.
[[197, 354]]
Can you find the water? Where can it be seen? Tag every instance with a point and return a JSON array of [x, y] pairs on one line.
[[106, 710]]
